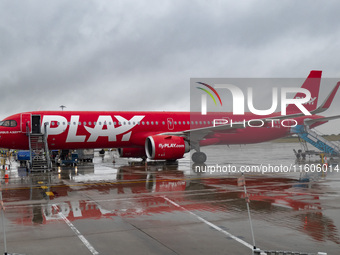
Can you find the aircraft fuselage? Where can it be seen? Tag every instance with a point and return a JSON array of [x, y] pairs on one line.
[[100, 129]]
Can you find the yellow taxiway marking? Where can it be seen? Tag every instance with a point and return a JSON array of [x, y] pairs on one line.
[[49, 193]]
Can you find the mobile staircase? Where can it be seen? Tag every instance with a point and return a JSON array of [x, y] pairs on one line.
[[39, 153], [330, 148]]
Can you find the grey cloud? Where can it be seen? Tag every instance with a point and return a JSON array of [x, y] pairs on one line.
[[140, 55]]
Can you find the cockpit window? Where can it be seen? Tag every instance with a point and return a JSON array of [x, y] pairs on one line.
[[8, 123]]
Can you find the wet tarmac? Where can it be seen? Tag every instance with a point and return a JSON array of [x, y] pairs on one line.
[[129, 208]]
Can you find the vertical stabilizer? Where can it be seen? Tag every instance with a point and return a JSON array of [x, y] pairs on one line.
[[312, 83]]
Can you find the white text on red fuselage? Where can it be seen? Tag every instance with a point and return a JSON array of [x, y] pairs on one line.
[[110, 131]]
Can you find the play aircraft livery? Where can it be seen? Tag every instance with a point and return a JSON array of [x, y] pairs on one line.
[[161, 135]]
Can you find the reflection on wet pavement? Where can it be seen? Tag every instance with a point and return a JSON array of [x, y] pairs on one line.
[[103, 198]]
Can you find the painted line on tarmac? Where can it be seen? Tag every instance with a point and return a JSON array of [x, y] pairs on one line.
[[76, 231], [250, 246]]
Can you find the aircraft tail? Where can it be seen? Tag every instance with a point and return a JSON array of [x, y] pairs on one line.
[[312, 83]]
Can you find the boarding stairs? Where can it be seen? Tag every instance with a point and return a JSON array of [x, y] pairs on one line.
[[39, 152], [315, 138]]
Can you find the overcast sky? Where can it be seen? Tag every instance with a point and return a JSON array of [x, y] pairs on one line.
[[140, 55]]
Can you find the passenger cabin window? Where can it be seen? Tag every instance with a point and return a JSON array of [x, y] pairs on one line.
[[8, 123]]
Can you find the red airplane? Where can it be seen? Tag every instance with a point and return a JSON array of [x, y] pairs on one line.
[[160, 135]]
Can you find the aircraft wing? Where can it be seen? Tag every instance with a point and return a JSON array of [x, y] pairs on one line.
[[200, 133], [323, 107], [326, 104], [310, 122]]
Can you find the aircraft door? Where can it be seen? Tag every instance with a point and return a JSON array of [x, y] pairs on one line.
[[170, 124], [25, 119], [36, 129]]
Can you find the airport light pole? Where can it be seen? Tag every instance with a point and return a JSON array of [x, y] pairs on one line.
[[62, 107], [242, 182]]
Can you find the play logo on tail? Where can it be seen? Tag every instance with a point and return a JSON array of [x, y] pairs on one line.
[[312, 83]]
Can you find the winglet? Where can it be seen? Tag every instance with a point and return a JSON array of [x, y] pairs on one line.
[[328, 101]]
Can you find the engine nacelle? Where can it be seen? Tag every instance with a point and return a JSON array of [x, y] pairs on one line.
[[132, 152], [166, 147]]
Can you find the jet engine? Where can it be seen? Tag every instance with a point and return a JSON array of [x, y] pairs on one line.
[[166, 147]]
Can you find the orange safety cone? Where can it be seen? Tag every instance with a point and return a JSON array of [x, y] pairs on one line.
[[6, 174]]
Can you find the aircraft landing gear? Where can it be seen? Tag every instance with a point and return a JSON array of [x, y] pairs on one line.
[[199, 157]]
